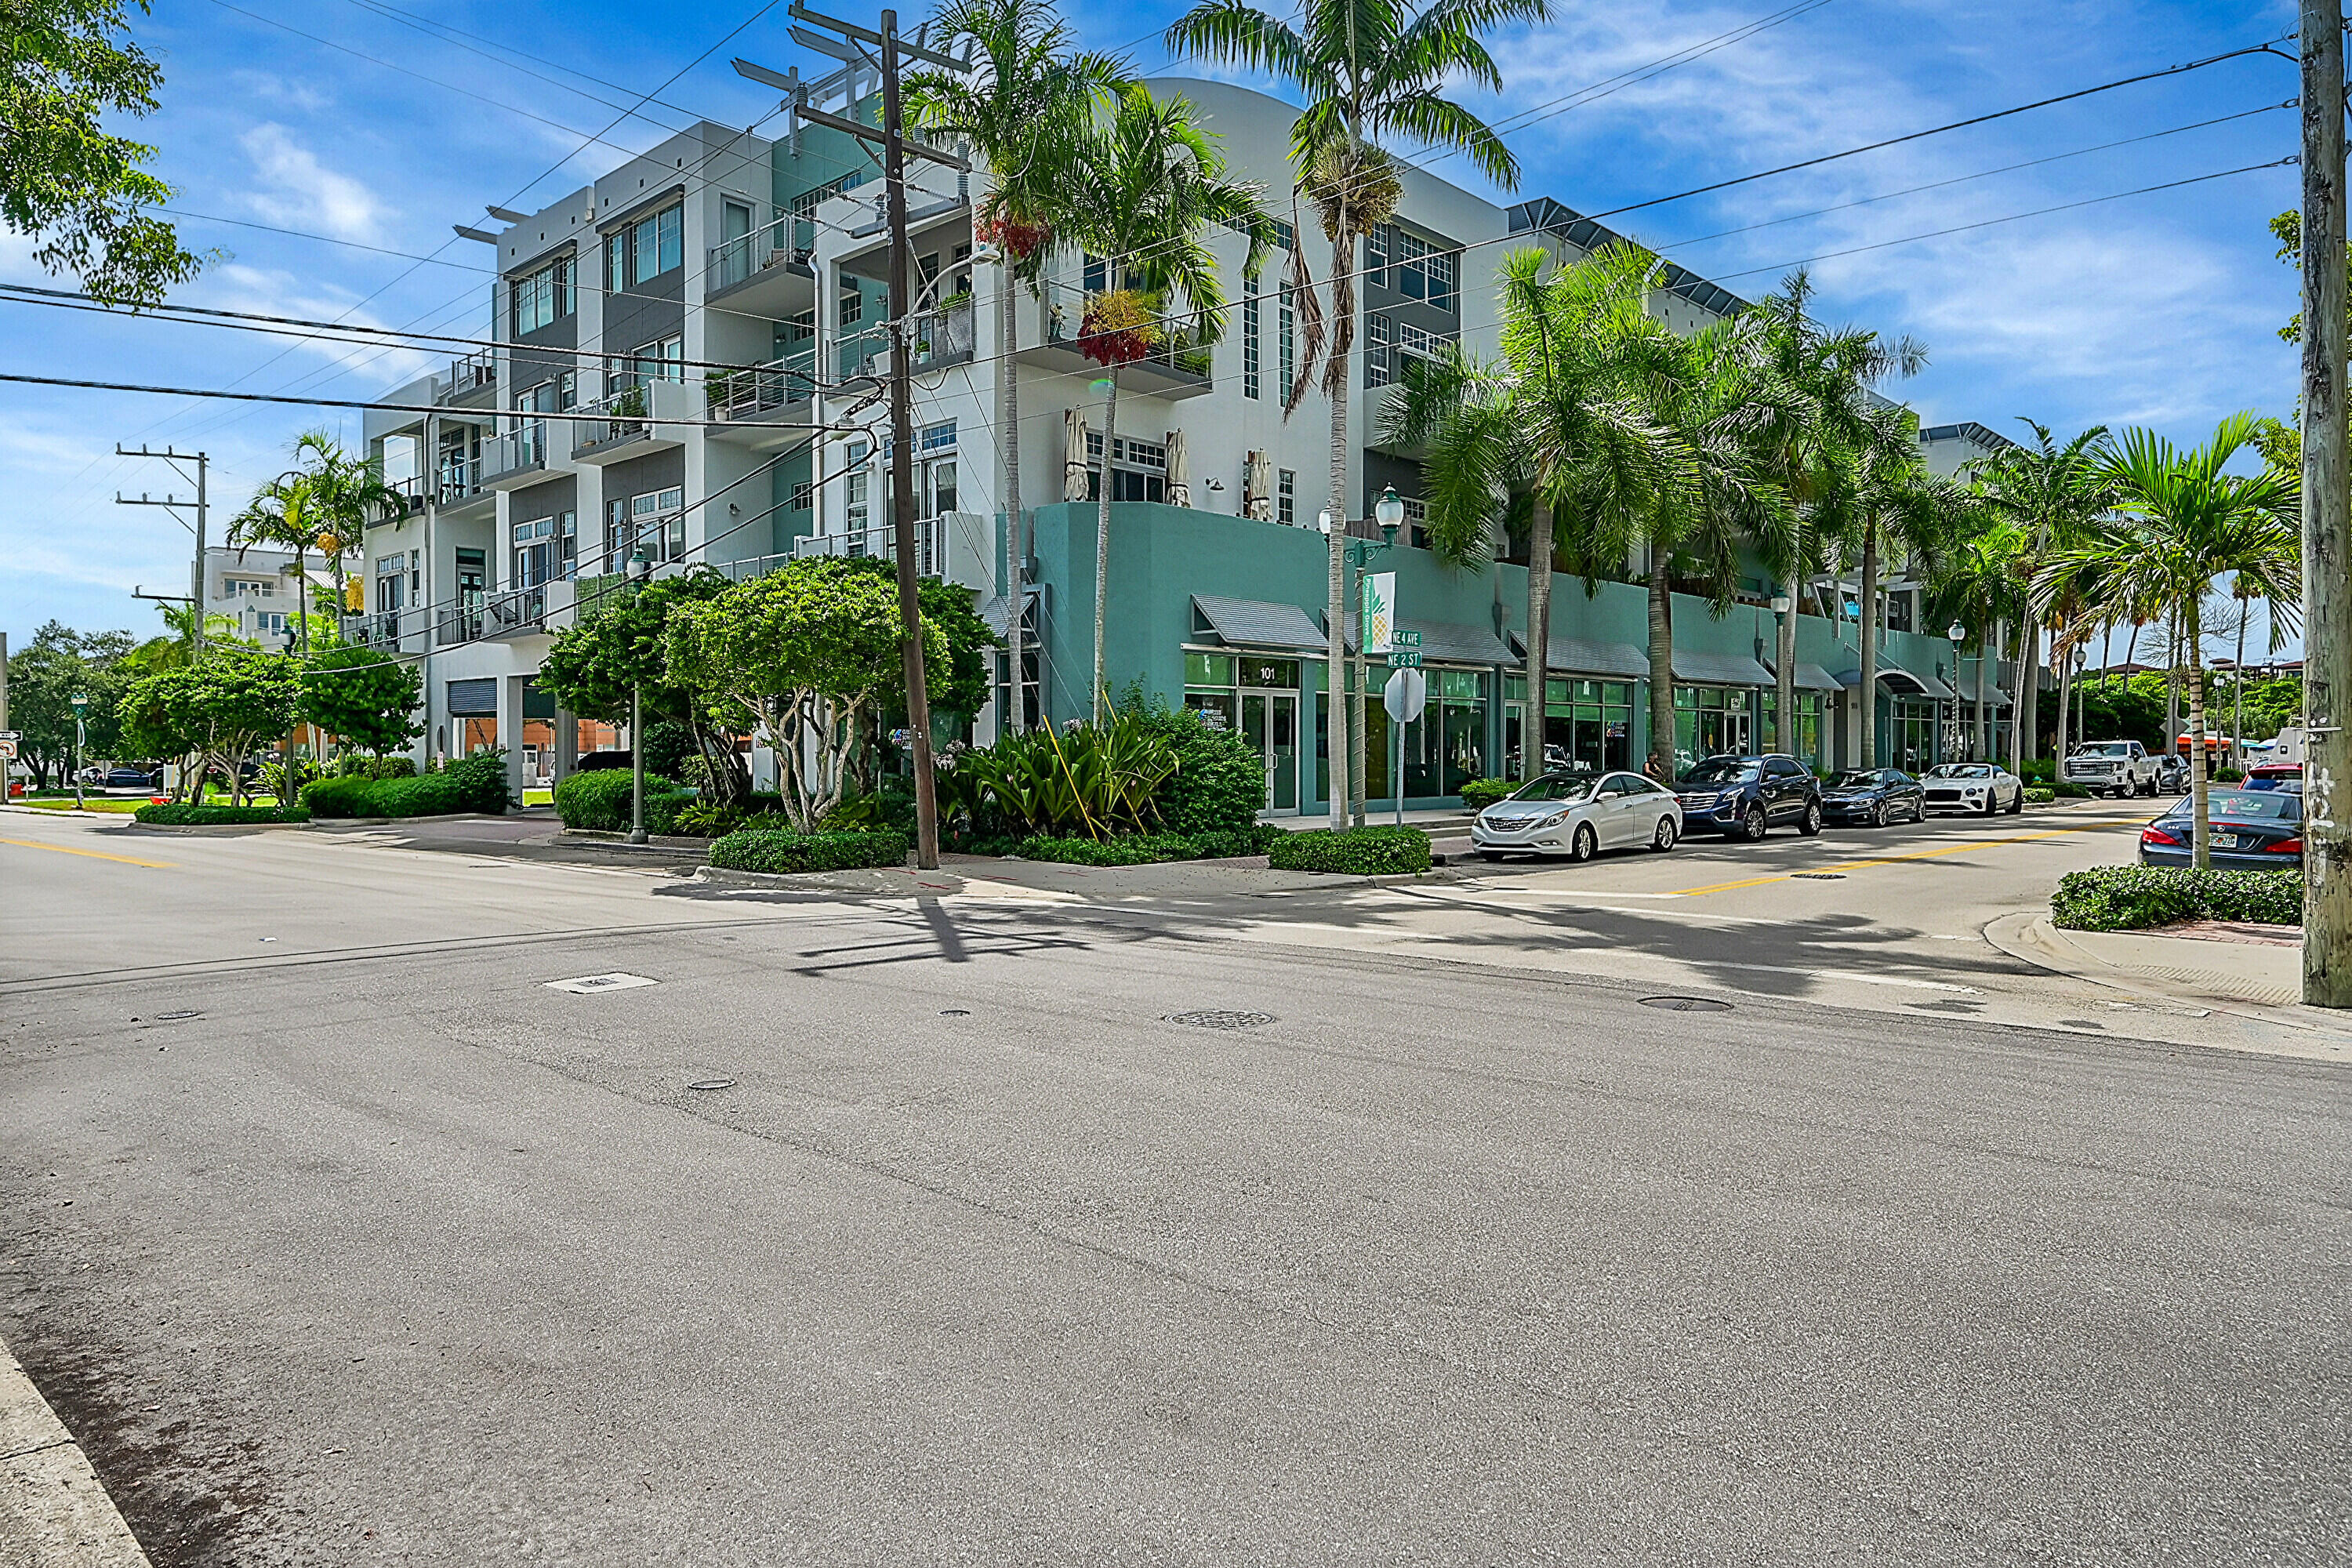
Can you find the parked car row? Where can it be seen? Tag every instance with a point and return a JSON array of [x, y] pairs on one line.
[[1577, 815]]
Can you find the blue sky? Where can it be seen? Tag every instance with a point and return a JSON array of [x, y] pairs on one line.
[[2158, 309]]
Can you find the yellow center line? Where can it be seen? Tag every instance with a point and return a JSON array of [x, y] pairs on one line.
[[1887, 859], [91, 854]]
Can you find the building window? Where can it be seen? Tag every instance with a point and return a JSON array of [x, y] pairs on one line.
[[1286, 334], [944, 487], [1286, 497], [861, 482], [853, 306], [1378, 371], [1139, 469], [805, 204], [661, 359], [656, 244], [247, 588], [542, 299], [616, 261], [803, 496], [936, 437], [799, 329], [1376, 254], [657, 524], [270, 621], [1249, 337]]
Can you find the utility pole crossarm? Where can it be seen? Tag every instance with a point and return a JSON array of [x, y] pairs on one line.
[[203, 461]]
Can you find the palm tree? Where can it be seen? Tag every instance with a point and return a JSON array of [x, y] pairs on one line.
[[1824, 378], [1368, 70], [1479, 472], [1892, 503], [285, 514], [1026, 110], [2054, 494], [1150, 183], [1976, 586], [2184, 522], [348, 494]]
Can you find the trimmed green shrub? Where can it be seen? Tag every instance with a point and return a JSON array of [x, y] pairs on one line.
[[781, 851], [2132, 898], [1218, 785], [2065, 791], [426, 795], [345, 796], [2036, 795], [1361, 851], [355, 765], [2229, 775], [888, 807], [216, 815], [481, 780], [2038, 770], [1148, 849], [599, 801], [663, 808], [1480, 794]]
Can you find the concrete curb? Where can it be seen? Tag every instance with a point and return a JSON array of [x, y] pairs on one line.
[[2032, 938], [54, 1513]]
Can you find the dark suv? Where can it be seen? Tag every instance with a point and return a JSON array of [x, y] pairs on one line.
[[1746, 796]]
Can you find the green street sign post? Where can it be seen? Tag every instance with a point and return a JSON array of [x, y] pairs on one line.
[[1405, 659]]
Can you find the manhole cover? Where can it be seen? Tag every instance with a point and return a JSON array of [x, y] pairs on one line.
[[1221, 1020], [589, 983], [1686, 1004], [955, 1012], [711, 1083], [181, 1013], [1818, 876]]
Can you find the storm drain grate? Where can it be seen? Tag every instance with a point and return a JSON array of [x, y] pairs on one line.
[[589, 983], [1686, 1004], [178, 1013], [707, 1084], [1818, 876], [1216, 1019]]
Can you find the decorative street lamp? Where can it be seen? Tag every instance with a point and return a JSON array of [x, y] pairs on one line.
[[1356, 553], [80, 702], [640, 570]]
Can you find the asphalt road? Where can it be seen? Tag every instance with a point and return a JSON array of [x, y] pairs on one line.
[[391, 1253]]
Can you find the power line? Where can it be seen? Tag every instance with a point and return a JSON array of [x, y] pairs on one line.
[[525, 416]]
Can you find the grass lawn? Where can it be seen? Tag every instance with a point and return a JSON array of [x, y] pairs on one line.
[[539, 797], [94, 803]]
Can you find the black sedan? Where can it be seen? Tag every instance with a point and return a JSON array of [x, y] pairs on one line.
[[2253, 830], [1874, 796], [131, 778]]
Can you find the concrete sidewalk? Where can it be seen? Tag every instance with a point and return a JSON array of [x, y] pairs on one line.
[[2244, 971], [53, 1511]]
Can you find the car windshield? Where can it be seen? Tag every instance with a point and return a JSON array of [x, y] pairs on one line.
[[1960, 771], [2247, 806], [1722, 770], [1557, 787], [2105, 748], [1854, 780]]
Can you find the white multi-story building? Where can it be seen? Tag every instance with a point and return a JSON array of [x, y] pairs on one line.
[[687, 369], [259, 589]]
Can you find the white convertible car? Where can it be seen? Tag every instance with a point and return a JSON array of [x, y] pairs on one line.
[[1981, 787], [1577, 815]]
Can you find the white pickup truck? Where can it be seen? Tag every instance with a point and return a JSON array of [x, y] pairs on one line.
[[2118, 767]]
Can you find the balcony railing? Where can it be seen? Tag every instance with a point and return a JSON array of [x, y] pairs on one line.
[[942, 336], [1062, 313], [788, 239], [377, 628], [619, 417], [517, 609], [524, 446], [462, 625], [476, 372], [460, 479], [753, 390], [880, 541]]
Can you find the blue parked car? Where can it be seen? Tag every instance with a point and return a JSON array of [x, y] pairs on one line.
[[1746, 797]]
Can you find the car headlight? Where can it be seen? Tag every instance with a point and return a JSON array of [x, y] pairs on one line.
[[1728, 797], [1554, 820]]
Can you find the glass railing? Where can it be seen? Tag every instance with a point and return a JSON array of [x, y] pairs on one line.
[[786, 240], [474, 372], [524, 446], [617, 417], [1062, 313], [743, 393]]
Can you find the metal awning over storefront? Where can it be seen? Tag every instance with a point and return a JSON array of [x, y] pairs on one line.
[[1449, 642], [993, 608], [1809, 677], [1576, 655], [1259, 623], [1907, 683], [1719, 669]]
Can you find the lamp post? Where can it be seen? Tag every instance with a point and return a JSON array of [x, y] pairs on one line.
[[1953, 633], [80, 702], [1388, 512], [1785, 720], [640, 569]]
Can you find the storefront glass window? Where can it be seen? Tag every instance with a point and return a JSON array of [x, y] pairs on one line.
[[1809, 726]]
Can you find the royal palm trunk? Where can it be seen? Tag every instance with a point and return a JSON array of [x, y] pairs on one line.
[[1008, 441], [1868, 691], [1661, 668], [1531, 713], [1102, 533]]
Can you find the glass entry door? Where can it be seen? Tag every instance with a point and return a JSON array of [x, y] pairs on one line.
[[1270, 720]]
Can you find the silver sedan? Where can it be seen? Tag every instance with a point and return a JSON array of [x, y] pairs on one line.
[[1577, 815]]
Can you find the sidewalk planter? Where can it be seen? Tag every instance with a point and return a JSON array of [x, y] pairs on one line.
[[1151, 848], [472, 785], [1360, 851], [777, 850], [216, 815], [2133, 898], [599, 801]]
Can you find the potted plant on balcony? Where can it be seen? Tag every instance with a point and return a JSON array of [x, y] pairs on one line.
[[630, 403]]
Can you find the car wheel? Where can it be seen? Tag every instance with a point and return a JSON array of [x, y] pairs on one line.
[[1992, 803], [1752, 825], [1810, 825], [2017, 801], [1663, 839], [1585, 845], [1878, 814]]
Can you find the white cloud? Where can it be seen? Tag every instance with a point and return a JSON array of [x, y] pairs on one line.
[[236, 286], [276, 89], [303, 193]]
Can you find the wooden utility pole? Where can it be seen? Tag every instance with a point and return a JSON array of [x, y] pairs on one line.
[[196, 573], [883, 50], [2326, 496]]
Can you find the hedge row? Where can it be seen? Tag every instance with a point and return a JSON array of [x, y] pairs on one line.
[[599, 801], [1362, 851], [1480, 794], [473, 784], [2132, 898], [1148, 849], [216, 815], [773, 849]]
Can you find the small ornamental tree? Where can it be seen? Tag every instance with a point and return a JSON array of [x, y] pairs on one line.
[[220, 711], [809, 651], [620, 647], [362, 698]]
